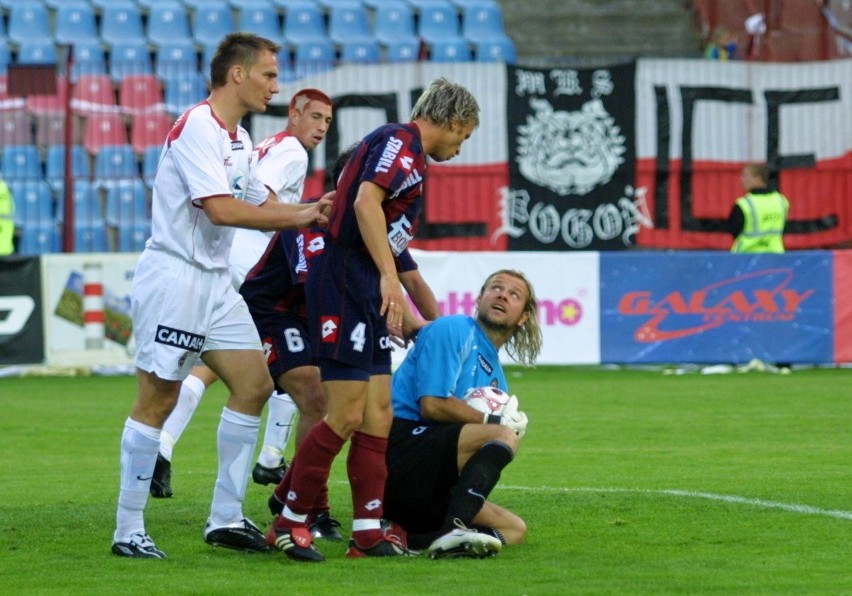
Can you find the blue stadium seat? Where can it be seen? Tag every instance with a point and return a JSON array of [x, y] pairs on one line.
[[127, 202], [37, 51], [150, 159], [21, 162], [113, 163], [132, 237], [177, 57], [121, 22], [404, 50], [87, 204], [482, 21], [449, 50], [129, 58], [500, 49], [167, 23], [260, 18], [304, 22], [88, 58], [313, 57], [348, 22], [39, 239], [29, 21], [360, 52], [5, 58], [75, 22], [393, 20], [90, 238], [183, 91], [33, 202], [211, 22], [439, 21], [55, 165]]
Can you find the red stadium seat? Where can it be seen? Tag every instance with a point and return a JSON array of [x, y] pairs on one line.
[[149, 129], [140, 93], [104, 129]]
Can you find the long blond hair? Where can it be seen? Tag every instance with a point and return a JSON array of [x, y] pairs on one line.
[[524, 345]]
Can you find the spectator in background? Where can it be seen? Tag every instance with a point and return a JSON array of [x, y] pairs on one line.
[[758, 218], [722, 45], [7, 220], [844, 31]]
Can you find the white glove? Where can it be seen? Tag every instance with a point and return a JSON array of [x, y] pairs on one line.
[[514, 418]]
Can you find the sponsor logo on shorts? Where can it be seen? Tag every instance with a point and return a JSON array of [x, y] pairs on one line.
[[484, 364], [329, 326], [179, 339], [269, 350]]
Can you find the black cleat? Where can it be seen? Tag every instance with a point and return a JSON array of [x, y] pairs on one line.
[[326, 527], [161, 482], [296, 543], [263, 475], [243, 535], [140, 546], [388, 546]]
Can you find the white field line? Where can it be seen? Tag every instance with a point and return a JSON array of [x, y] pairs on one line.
[[791, 507]]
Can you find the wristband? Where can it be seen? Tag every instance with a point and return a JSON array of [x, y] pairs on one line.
[[492, 419]]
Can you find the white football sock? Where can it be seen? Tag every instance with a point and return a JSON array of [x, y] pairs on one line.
[[236, 438], [139, 445], [279, 425], [191, 392]]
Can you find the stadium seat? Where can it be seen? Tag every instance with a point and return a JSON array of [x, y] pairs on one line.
[[360, 52], [495, 50], [348, 22], [129, 58], [88, 58], [405, 50], [482, 21], [394, 20], [140, 93], [439, 21], [113, 163], [286, 72], [74, 21], [28, 21], [150, 159], [313, 57], [33, 202], [50, 129], [184, 91], [304, 22], [37, 51], [15, 128], [132, 237], [42, 104], [121, 22], [127, 203], [21, 161], [38, 239], [104, 130], [5, 58], [449, 50], [260, 18], [211, 22], [93, 94], [168, 22], [149, 129], [178, 57], [55, 165]]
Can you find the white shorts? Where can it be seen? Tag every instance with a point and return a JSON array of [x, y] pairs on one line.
[[180, 310], [246, 250]]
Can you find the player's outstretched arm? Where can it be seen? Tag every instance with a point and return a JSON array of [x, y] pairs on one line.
[[225, 210]]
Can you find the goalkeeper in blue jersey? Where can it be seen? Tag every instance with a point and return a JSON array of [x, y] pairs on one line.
[[443, 456]]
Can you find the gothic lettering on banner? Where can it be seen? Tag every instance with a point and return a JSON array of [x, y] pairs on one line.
[[571, 160]]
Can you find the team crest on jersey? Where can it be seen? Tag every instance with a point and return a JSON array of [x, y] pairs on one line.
[[484, 364], [179, 339], [329, 326]]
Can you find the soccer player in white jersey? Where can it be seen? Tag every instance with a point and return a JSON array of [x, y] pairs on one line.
[[282, 165], [184, 306]]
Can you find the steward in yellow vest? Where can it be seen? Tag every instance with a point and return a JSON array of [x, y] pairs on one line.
[[7, 220], [757, 219]]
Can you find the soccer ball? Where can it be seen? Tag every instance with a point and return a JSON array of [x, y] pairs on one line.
[[488, 400]]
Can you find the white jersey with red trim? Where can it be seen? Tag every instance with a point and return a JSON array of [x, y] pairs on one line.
[[200, 159], [282, 164]]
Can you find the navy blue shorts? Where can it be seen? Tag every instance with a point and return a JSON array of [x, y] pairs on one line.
[[343, 312], [286, 342]]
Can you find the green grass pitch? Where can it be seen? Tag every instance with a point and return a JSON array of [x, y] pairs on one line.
[[631, 482]]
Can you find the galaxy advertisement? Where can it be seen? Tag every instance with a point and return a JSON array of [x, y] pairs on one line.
[[711, 307]]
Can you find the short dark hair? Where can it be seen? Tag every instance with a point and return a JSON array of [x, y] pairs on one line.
[[237, 48], [339, 164]]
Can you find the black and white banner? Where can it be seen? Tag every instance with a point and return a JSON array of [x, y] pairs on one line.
[[21, 324], [571, 152]]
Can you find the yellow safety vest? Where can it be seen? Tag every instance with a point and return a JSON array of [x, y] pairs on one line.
[[7, 220], [764, 218]]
